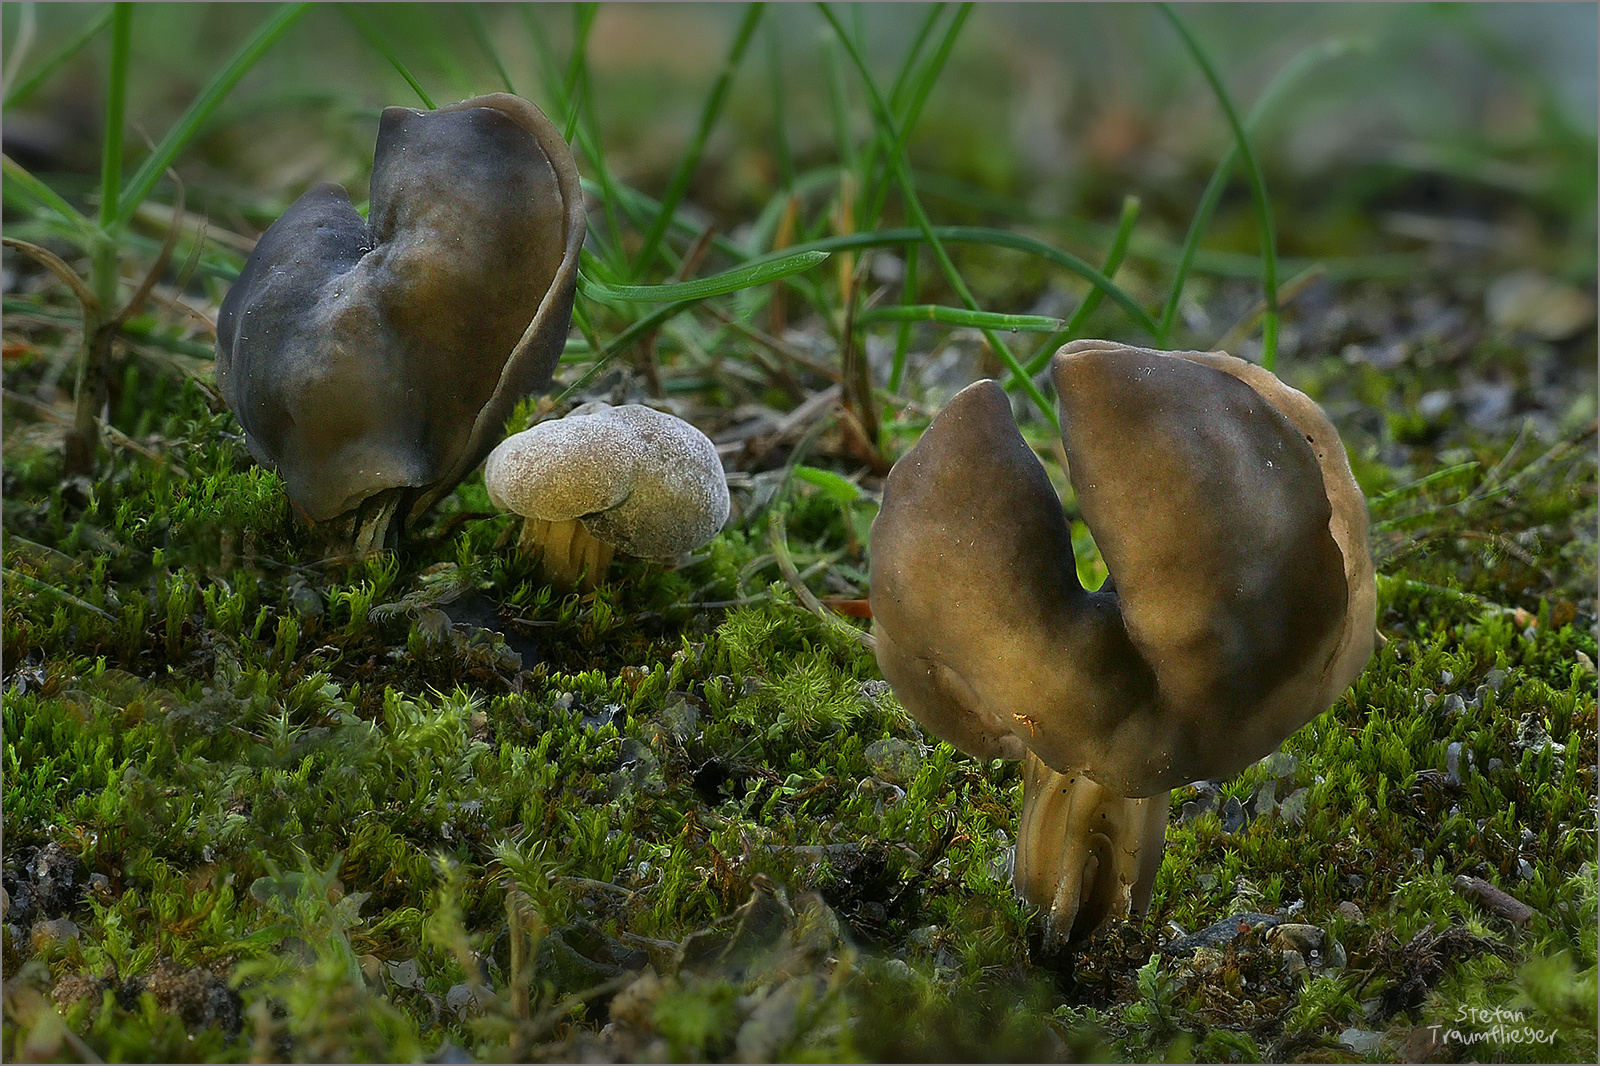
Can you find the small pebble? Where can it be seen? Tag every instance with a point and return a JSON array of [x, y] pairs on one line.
[[1233, 818], [45, 935]]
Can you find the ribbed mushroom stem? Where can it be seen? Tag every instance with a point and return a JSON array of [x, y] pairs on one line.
[[1084, 853], [569, 555], [371, 525]]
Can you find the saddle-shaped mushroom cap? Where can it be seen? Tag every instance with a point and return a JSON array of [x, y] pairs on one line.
[[1240, 601], [374, 361]]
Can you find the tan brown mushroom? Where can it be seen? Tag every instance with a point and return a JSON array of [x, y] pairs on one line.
[[605, 479], [374, 361], [1240, 602]]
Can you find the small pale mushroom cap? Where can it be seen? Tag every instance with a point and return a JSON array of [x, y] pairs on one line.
[[1240, 601], [646, 482]]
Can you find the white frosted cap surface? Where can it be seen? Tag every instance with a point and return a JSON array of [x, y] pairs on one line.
[[644, 481]]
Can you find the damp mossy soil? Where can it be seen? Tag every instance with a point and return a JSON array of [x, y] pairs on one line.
[[260, 803]]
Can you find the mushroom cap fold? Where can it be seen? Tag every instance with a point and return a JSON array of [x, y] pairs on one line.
[[975, 597], [647, 482], [1239, 603], [363, 355]]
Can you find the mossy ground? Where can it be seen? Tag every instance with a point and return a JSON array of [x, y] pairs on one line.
[[337, 794], [263, 802]]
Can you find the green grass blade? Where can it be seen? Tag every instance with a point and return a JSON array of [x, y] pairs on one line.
[[24, 186], [743, 277], [876, 191], [902, 340], [480, 33], [921, 87], [898, 90], [902, 174], [381, 44], [839, 489], [1119, 248], [583, 16], [839, 109], [960, 316], [999, 238], [1258, 187], [691, 158], [1286, 78], [24, 88], [780, 122], [563, 114], [574, 97], [190, 123], [116, 108]]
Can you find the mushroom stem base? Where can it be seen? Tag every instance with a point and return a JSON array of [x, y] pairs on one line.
[[373, 525], [568, 554], [1085, 853]]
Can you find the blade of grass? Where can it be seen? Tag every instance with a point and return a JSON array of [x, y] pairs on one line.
[[29, 188], [381, 44], [743, 277], [1282, 82], [902, 175], [23, 88], [1149, 247], [585, 131], [877, 186], [780, 125], [1091, 301], [898, 90], [480, 32], [921, 87], [902, 340], [190, 123], [116, 107], [583, 16], [1258, 187], [838, 108], [960, 316], [21, 41], [998, 238], [691, 157]]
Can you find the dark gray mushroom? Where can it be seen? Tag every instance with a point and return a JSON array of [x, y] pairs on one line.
[[605, 479], [375, 361], [1240, 603]]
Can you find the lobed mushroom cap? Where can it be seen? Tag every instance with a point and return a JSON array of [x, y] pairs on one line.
[[642, 480], [1085, 361], [364, 355], [1238, 604]]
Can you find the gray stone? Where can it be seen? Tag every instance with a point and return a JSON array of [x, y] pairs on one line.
[[1220, 934], [1280, 764], [1361, 1041], [48, 934], [1293, 807], [1233, 817]]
